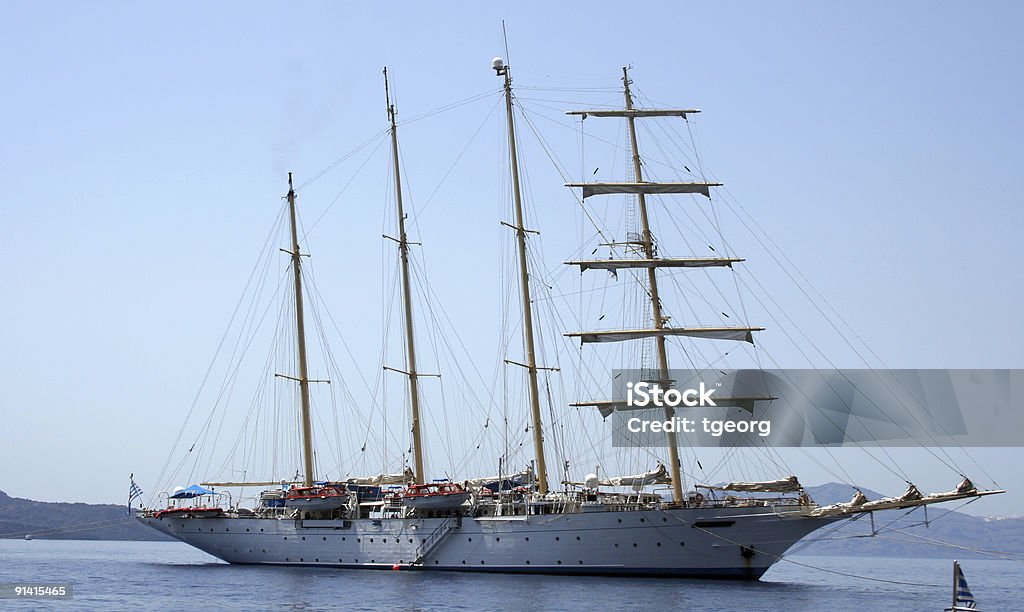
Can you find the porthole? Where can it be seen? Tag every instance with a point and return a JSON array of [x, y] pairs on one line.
[[559, 561], [634, 544], [659, 544], [643, 520], [577, 538], [556, 538], [325, 538]]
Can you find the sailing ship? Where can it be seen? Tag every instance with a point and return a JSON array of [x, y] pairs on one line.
[[521, 523]]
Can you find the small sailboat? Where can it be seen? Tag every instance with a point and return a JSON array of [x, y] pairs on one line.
[[963, 599]]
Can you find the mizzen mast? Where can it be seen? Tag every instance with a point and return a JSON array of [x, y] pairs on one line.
[[300, 328], [524, 277], [403, 249]]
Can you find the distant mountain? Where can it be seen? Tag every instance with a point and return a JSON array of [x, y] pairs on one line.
[[902, 534], [64, 521]]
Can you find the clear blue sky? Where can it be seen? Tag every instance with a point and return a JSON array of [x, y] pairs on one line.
[[144, 151]]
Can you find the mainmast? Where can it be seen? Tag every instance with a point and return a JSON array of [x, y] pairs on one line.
[[651, 263], [524, 278], [403, 249], [300, 325]]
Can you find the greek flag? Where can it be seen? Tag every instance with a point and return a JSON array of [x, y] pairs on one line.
[[964, 597], [134, 492]]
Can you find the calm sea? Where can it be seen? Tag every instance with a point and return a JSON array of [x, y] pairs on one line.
[[163, 575]]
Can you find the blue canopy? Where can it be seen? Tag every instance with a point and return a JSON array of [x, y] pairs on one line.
[[193, 491]]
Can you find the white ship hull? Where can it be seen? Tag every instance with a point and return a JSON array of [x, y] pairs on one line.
[[739, 543]]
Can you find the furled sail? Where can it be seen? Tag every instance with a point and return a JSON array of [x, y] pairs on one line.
[[607, 407], [910, 498], [518, 479], [636, 112], [384, 479], [590, 189], [682, 262], [784, 485], [658, 475], [742, 334]]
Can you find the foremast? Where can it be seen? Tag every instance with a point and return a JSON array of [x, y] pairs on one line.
[[524, 278], [651, 262], [403, 250], [652, 284]]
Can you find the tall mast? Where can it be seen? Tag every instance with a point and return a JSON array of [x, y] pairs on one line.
[[403, 249], [300, 326], [524, 279], [652, 282]]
